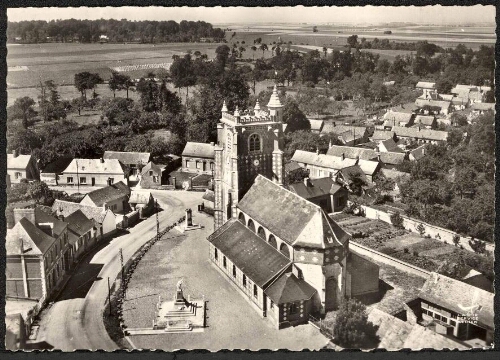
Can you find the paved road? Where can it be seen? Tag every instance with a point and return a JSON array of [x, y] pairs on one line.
[[75, 321]]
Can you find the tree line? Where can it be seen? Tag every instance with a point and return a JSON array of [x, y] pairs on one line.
[[89, 31]]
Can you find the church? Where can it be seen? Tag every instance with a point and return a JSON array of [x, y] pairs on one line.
[[284, 253]]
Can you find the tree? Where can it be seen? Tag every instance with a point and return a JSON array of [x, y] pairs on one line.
[[421, 229], [148, 90], [293, 117], [263, 47], [87, 81], [443, 86], [352, 41], [182, 74], [351, 328], [397, 220], [254, 49], [222, 54], [23, 109]]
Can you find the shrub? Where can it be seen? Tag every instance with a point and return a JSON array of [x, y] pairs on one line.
[[406, 250], [387, 250], [415, 253], [397, 220], [421, 229], [351, 327], [456, 239]]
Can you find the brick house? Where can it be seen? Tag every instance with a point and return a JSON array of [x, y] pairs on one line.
[[198, 158], [114, 197], [93, 172], [37, 254], [323, 192], [21, 167]]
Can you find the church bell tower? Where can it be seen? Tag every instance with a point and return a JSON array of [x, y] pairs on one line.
[[247, 145]]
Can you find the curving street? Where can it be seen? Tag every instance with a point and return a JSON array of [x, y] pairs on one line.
[[75, 320]]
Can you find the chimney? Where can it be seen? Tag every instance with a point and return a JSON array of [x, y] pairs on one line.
[[102, 160], [27, 213], [317, 151], [21, 245], [15, 153], [212, 143], [307, 183], [61, 217], [109, 181], [342, 156]]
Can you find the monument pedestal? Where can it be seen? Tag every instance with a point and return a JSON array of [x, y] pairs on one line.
[[188, 223]]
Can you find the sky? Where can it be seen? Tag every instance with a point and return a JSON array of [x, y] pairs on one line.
[[233, 15]]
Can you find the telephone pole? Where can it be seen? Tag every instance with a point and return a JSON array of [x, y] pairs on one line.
[[157, 222], [109, 297], [121, 261]]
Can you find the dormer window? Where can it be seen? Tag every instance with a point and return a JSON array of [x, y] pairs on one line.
[[254, 143]]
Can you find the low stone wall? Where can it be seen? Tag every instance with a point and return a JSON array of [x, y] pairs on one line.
[[433, 231]]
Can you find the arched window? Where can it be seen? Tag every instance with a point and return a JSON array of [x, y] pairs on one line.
[[251, 225], [261, 233], [254, 143], [244, 280], [234, 271], [216, 254], [241, 218], [284, 250], [272, 241], [255, 290], [224, 262]]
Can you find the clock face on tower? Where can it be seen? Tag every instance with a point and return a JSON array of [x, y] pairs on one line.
[[256, 162]]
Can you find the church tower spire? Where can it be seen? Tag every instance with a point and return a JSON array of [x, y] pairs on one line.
[[275, 107]]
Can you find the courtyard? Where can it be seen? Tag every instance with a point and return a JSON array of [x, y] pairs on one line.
[[232, 323]]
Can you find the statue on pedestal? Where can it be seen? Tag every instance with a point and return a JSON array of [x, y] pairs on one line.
[[179, 298]]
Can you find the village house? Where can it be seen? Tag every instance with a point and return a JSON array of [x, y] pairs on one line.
[[386, 153], [380, 135], [393, 118], [442, 107], [397, 177], [93, 172], [81, 233], [481, 108], [316, 125], [352, 177], [153, 175], [471, 94], [323, 192], [347, 134], [114, 197], [420, 135], [426, 87], [417, 153], [104, 220], [37, 254], [425, 121], [454, 308], [133, 161], [21, 167], [52, 172], [143, 202], [292, 168], [198, 158]]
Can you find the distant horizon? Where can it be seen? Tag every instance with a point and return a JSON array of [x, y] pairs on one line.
[[300, 15]]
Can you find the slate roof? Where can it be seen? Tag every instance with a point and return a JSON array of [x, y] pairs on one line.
[[458, 296], [157, 169], [322, 160], [288, 288], [316, 125], [420, 134], [425, 85], [79, 223], [439, 103], [391, 146], [316, 187], [18, 162], [128, 158], [351, 152], [405, 108], [424, 120], [57, 166], [109, 193], [95, 166], [354, 170], [291, 166], [369, 167], [397, 117], [209, 195], [458, 101], [379, 135], [66, 208], [393, 158], [423, 338], [394, 174], [418, 152], [257, 259], [483, 106], [34, 240], [289, 216], [140, 197], [199, 150], [41, 216]]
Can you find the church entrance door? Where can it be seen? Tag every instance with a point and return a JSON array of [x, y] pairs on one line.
[[330, 294]]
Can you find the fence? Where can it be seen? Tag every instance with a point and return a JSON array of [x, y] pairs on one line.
[[386, 259], [325, 327], [433, 231]]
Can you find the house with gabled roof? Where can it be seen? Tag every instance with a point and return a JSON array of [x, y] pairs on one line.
[[324, 192], [104, 220], [425, 121], [21, 167], [394, 118], [316, 125], [94, 172], [371, 160], [420, 135], [131, 159], [380, 135], [290, 263], [114, 197], [347, 134], [143, 202], [455, 308], [198, 158], [153, 175], [52, 171], [81, 232], [443, 107], [37, 254]]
